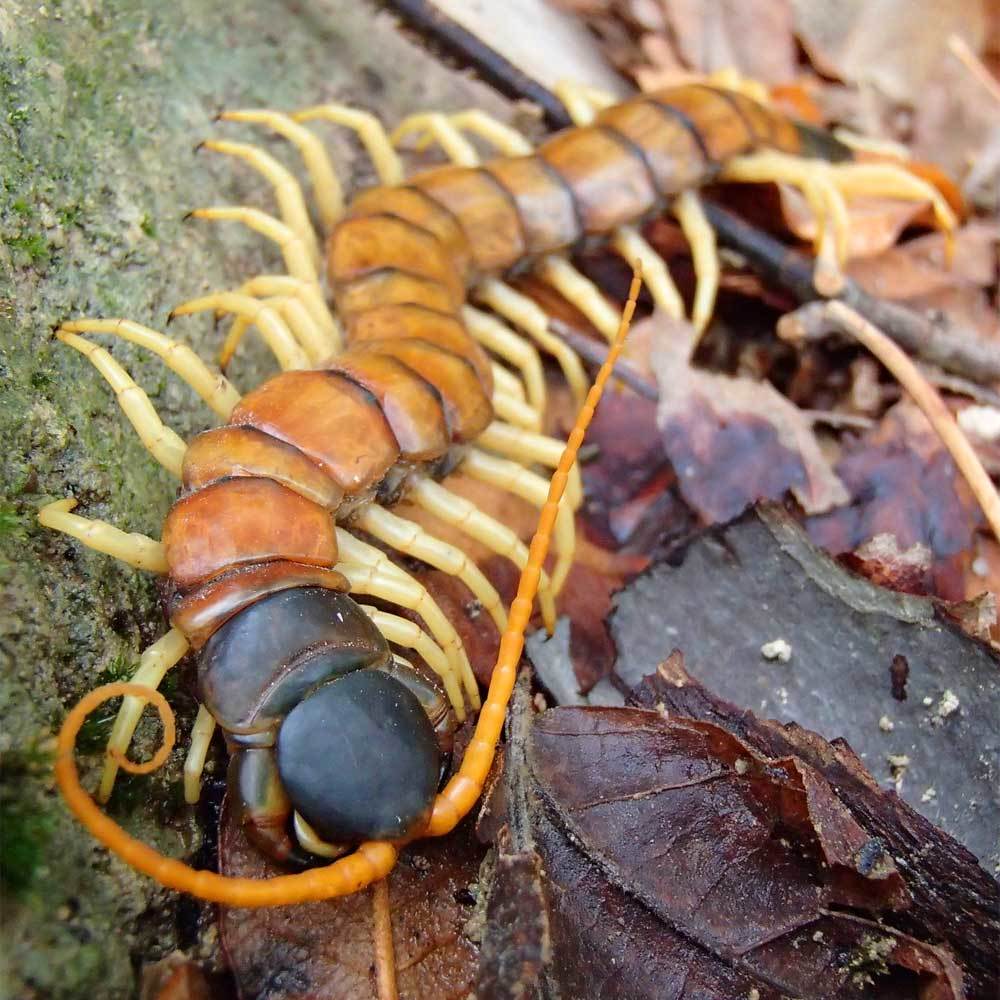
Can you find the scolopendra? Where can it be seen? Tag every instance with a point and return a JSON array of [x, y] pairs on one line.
[[384, 396]]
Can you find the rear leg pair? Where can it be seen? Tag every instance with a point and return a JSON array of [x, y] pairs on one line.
[[825, 186]]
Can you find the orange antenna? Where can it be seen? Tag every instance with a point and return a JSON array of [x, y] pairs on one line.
[[464, 788], [372, 860]]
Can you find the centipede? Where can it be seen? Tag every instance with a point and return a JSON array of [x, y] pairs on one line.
[[405, 354]]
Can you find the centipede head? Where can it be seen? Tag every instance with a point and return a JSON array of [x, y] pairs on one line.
[[359, 760], [322, 721]]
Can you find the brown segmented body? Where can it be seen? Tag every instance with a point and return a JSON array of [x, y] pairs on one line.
[[412, 382]]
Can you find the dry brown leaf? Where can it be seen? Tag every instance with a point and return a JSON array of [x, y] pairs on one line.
[[731, 440], [325, 949], [904, 483], [895, 45], [919, 267], [754, 36]]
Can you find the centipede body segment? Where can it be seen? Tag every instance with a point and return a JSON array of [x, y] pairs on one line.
[[380, 397]]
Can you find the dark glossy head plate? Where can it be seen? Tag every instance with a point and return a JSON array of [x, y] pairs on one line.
[[254, 668], [359, 759]]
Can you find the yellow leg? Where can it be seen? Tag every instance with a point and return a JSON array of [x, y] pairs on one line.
[[582, 102], [890, 181], [528, 448], [825, 185], [367, 567], [153, 666], [514, 478], [213, 387], [194, 762], [701, 238], [403, 632], [507, 382], [369, 130], [505, 343], [461, 514], [308, 293], [299, 322], [508, 140], [580, 291], [630, 245], [272, 327], [516, 412], [410, 539], [161, 442], [295, 253], [531, 318], [433, 125], [327, 189], [291, 203], [137, 550]]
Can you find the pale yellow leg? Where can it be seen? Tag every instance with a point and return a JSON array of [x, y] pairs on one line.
[[630, 245], [161, 442], [434, 125], [528, 448], [311, 296], [410, 539], [508, 140], [369, 130], [844, 179], [272, 327], [507, 382], [505, 343], [291, 203], [213, 387], [299, 322], [529, 486], [516, 412], [890, 181], [295, 253], [194, 762], [326, 186], [312, 841], [530, 317], [581, 292], [137, 550], [582, 102], [701, 238], [374, 581], [467, 517], [366, 566], [403, 632], [153, 666]]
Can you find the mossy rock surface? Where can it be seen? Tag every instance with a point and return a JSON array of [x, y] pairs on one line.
[[103, 104]]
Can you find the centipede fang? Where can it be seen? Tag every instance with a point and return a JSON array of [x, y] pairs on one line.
[[405, 355]]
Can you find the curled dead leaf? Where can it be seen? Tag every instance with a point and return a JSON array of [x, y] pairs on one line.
[[732, 440]]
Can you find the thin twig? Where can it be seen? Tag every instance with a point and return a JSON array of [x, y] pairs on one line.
[[938, 340], [818, 318], [595, 353], [961, 51], [385, 955]]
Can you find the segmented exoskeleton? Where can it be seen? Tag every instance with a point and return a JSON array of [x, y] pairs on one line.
[[260, 549]]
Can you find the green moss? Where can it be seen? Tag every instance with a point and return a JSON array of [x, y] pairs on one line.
[[32, 247], [26, 821], [10, 521]]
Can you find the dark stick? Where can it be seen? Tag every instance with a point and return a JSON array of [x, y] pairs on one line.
[[595, 353], [935, 339], [490, 65]]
